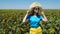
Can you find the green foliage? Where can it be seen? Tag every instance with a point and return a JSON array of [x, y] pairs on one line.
[[11, 22]]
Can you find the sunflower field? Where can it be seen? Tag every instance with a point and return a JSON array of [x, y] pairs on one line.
[[11, 22]]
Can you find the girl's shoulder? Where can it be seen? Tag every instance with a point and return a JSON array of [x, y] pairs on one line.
[[39, 16], [29, 16]]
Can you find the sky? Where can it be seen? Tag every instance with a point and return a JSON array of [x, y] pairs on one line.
[[24, 4]]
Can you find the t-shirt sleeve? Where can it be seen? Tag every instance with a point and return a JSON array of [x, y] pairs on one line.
[[41, 17], [28, 17]]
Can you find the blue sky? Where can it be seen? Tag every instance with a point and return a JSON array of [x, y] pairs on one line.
[[24, 4]]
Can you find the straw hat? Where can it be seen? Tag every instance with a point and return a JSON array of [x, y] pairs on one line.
[[34, 5]]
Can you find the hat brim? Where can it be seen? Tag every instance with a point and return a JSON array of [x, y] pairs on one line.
[[35, 4]]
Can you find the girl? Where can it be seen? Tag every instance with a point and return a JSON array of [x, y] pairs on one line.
[[34, 18]]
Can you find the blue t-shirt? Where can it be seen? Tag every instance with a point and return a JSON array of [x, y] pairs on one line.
[[34, 20]]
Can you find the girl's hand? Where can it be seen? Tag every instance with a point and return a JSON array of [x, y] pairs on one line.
[[42, 12], [44, 19], [24, 19], [28, 12]]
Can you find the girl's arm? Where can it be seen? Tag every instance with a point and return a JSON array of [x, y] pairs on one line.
[[44, 19], [24, 19]]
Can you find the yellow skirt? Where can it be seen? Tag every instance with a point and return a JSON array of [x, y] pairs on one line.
[[37, 30]]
